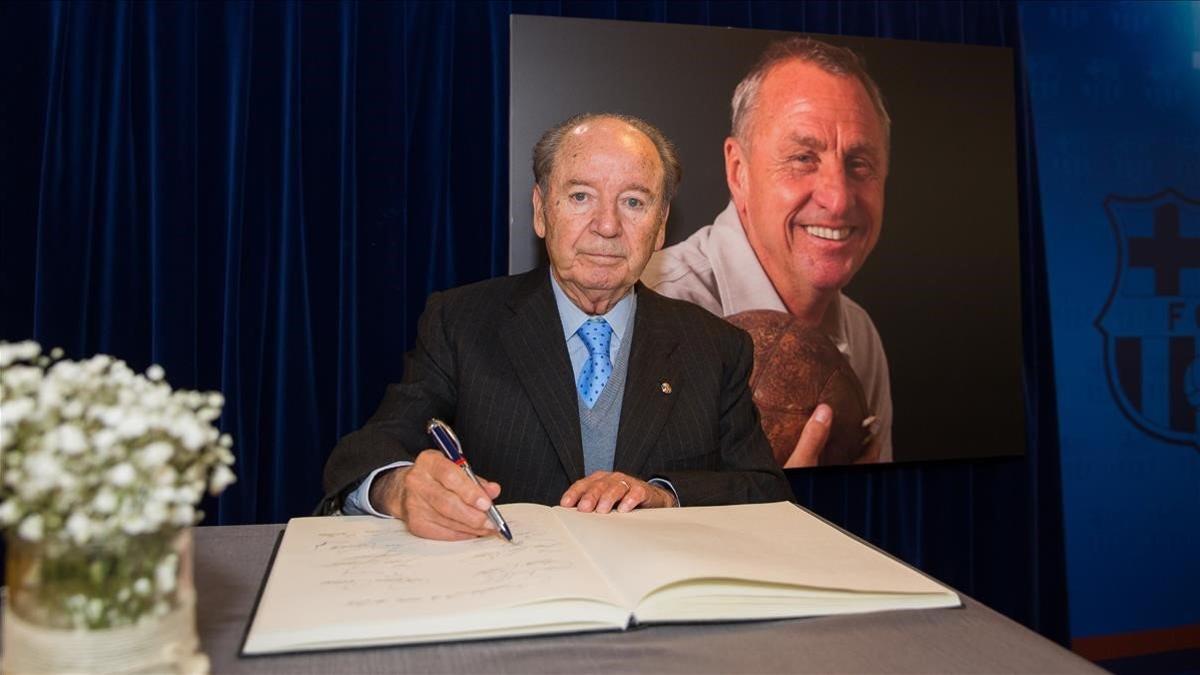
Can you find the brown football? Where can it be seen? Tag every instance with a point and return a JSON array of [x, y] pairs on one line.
[[795, 369]]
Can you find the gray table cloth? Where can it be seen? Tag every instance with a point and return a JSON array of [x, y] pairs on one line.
[[231, 562]]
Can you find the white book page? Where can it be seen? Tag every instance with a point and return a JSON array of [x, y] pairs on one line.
[[345, 578], [776, 543]]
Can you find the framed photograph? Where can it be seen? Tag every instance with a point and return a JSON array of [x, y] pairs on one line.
[[941, 285]]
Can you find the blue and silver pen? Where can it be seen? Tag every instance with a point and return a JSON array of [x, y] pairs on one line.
[[444, 436]]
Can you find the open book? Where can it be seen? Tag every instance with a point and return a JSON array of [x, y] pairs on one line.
[[359, 581]]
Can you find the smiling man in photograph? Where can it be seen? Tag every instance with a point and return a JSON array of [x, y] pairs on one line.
[[806, 163]]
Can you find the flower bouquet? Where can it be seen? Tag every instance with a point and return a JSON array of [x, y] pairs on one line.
[[101, 472]]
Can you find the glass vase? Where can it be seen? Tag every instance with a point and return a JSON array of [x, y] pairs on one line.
[[125, 604]]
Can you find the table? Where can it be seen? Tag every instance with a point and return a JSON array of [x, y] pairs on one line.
[[231, 562]]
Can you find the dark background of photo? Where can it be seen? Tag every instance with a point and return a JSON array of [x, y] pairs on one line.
[[942, 285]]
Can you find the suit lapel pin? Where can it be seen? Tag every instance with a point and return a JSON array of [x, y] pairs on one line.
[[666, 387]]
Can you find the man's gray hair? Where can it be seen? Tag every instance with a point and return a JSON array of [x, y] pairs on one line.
[[545, 152], [839, 61]]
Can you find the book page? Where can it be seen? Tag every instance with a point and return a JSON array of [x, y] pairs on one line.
[[766, 544], [362, 579]]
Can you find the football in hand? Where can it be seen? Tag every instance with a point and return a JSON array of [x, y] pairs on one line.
[[795, 369]]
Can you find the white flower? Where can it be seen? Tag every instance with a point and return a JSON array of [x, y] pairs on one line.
[[111, 417], [98, 363], [43, 467], [9, 512], [135, 524], [156, 397], [70, 439], [164, 573], [104, 439], [67, 371], [188, 431], [183, 515], [191, 493], [166, 476], [222, 478], [31, 527], [22, 378], [91, 450], [132, 426], [20, 351], [12, 412], [105, 501], [67, 482], [122, 475], [142, 586], [155, 454], [79, 527], [50, 395], [73, 409], [154, 514]]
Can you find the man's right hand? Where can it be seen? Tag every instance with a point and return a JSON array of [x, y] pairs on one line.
[[436, 499]]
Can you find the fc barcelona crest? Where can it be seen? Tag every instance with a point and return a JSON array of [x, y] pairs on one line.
[[1151, 322]]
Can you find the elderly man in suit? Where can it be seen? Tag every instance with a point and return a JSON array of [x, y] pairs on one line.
[[575, 385]]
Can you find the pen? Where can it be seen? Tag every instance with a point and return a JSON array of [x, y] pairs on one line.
[[444, 436]]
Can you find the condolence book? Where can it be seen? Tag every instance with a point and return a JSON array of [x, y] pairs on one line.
[[340, 582]]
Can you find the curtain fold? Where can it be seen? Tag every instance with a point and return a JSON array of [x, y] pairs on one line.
[[259, 197]]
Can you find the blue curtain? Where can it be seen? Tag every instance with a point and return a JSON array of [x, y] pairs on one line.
[[259, 197]]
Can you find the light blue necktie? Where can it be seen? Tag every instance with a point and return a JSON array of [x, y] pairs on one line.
[[596, 334]]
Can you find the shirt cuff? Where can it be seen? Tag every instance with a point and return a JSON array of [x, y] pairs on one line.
[[663, 482], [358, 502]]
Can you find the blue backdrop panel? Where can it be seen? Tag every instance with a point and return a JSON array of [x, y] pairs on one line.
[[1116, 107]]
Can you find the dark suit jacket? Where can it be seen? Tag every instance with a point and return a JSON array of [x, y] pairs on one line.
[[490, 359]]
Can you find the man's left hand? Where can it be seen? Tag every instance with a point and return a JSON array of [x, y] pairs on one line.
[[604, 490]]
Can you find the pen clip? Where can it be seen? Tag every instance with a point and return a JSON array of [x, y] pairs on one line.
[[444, 436]]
